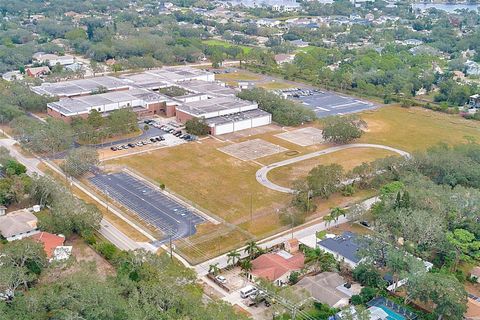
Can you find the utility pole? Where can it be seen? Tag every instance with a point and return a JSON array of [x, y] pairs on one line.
[[171, 248]]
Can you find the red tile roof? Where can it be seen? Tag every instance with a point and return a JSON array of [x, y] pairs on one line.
[[272, 266], [50, 242]]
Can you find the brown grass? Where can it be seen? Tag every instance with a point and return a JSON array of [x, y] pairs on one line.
[[349, 158]]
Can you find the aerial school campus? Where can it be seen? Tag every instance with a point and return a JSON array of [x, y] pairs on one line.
[[195, 160], [206, 197]]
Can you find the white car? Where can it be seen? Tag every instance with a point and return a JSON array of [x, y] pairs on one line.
[[221, 279]]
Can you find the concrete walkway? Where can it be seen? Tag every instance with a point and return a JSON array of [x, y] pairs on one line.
[[262, 173]]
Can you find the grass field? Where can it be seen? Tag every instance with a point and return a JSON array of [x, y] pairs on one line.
[[215, 42], [416, 128], [349, 158], [227, 186], [233, 78]]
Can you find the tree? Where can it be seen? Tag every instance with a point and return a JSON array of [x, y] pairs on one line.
[[233, 257], [246, 265], [213, 269], [368, 276], [252, 249], [466, 246], [337, 212], [197, 127], [21, 262], [80, 160], [444, 291], [323, 180], [342, 129]]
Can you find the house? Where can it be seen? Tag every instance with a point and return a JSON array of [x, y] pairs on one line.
[[36, 72], [284, 58], [344, 248], [472, 68], [299, 43], [18, 225], [277, 266], [327, 287], [475, 274], [50, 242], [53, 59]]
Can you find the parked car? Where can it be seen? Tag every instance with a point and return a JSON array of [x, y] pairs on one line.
[[113, 148], [160, 138], [248, 291], [131, 145], [221, 279]]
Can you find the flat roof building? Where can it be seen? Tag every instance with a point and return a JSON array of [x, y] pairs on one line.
[[80, 87], [344, 247], [146, 102]]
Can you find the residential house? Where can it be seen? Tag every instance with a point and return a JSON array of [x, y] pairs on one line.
[[473, 309], [53, 59], [284, 58], [472, 68], [299, 43], [278, 266], [329, 288], [36, 72], [344, 248], [475, 274], [18, 225], [51, 244]]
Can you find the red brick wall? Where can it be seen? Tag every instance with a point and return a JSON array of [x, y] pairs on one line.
[[183, 117], [58, 115], [170, 111]]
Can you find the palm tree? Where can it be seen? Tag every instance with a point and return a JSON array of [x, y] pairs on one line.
[[233, 257], [337, 212], [246, 265], [252, 249], [214, 269], [328, 219]]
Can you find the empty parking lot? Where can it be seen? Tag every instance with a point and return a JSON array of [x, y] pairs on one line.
[[328, 104], [157, 209]]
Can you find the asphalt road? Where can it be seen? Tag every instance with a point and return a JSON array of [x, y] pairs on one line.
[[159, 210], [329, 103], [262, 173]]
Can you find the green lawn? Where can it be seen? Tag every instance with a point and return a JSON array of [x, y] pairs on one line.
[[215, 42]]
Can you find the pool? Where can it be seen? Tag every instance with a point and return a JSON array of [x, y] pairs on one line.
[[392, 315]]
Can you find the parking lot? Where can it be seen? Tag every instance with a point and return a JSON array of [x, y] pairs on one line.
[[328, 103], [252, 149], [154, 207]]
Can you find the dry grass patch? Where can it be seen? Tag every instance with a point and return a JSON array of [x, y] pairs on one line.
[[348, 158], [215, 181], [416, 128], [275, 85]]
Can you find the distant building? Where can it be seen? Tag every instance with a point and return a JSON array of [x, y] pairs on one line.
[[18, 225], [472, 68], [53, 59], [284, 58], [36, 72], [299, 43]]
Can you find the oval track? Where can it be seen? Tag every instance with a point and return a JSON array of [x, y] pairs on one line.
[[262, 173]]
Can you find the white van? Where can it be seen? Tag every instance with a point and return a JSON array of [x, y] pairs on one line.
[[247, 291]]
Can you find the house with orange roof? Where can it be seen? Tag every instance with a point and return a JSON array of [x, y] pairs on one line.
[[277, 266], [51, 244]]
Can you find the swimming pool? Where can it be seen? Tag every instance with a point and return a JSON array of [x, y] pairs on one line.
[[392, 315]]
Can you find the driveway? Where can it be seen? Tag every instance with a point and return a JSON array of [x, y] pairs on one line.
[[262, 173]]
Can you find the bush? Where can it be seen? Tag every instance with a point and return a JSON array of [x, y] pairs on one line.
[[293, 277], [368, 276], [107, 250], [356, 300]]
